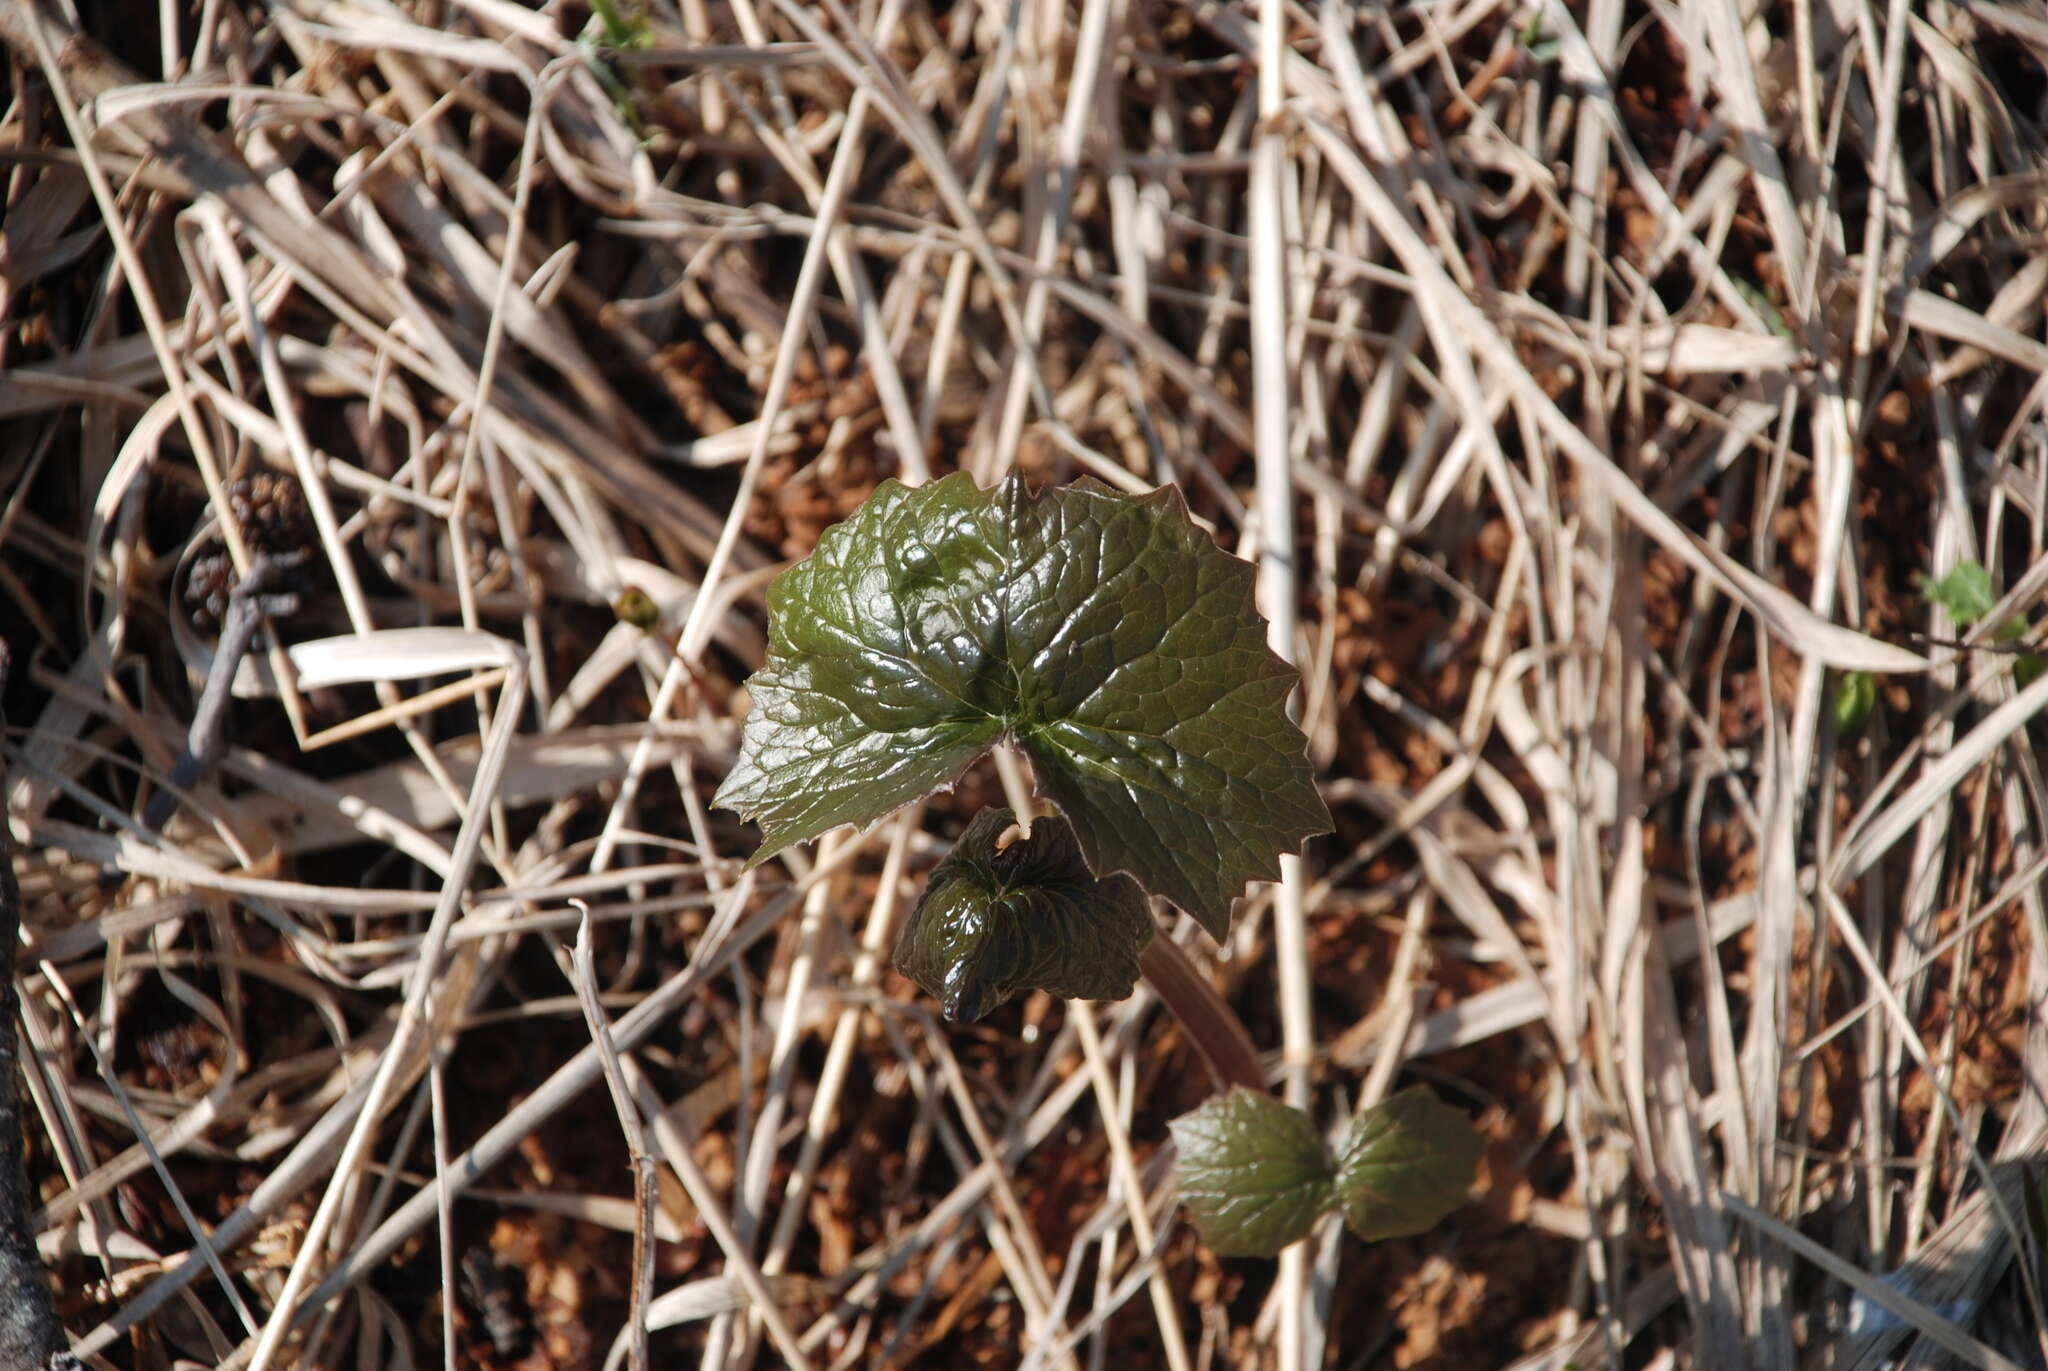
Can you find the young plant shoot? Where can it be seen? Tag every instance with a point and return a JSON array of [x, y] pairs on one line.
[[1119, 648]]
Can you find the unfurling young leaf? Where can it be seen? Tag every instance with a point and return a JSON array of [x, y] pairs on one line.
[[1965, 592], [1855, 696], [1408, 1162], [1254, 1173], [1107, 635], [996, 920]]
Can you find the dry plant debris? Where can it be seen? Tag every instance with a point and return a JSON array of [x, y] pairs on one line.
[[1599, 387]]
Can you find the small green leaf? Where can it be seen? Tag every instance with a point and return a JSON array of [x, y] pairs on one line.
[[1106, 634], [1537, 40], [1408, 1162], [1965, 592], [996, 920], [1253, 1173], [1854, 698], [624, 31]]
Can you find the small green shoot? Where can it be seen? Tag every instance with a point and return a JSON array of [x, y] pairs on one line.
[[623, 32], [1855, 696], [1967, 597], [1537, 41], [1256, 1176], [1965, 592], [617, 32]]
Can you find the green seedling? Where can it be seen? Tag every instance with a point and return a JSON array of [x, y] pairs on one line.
[[1538, 41], [1109, 640], [614, 30], [620, 29], [1256, 1175], [1855, 696], [1966, 594]]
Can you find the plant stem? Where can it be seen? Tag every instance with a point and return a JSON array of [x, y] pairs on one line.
[[30, 1334], [1212, 1023], [1016, 786]]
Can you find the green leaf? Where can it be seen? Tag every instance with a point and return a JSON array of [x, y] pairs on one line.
[[996, 920], [1965, 592], [1855, 697], [1408, 1162], [1104, 633], [624, 31], [1253, 1173]]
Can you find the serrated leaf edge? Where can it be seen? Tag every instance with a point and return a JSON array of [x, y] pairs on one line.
[[1350, 1159], [1168, 502]]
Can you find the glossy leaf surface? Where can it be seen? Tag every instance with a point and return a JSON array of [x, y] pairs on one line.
[[997, 920], [1254, 1173], [1106, 634], [1409, 1161]]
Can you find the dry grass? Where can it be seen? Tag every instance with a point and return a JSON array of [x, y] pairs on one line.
[[1593, 386]]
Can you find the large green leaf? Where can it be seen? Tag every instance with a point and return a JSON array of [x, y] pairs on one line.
[[1408, 1162], [995, 920], [1253, 1173], [1106, 634]]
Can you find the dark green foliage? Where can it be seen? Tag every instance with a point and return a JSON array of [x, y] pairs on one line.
[[1120, 649], [1108, 636], [1256, 1176], [1253, 1173], [1407, 1163], [996, 920]]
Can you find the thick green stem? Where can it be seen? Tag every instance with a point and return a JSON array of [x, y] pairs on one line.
[[1211, 1022]]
